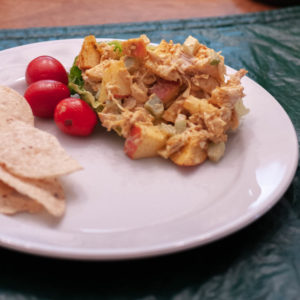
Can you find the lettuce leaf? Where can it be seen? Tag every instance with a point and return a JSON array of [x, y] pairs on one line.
[[76, 86], [86, 96], [75, 77]]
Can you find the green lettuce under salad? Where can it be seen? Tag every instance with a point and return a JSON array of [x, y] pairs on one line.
[[76, 86]]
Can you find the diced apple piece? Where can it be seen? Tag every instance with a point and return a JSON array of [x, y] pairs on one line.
[[135, 47], [165, 90], [89, 55], [191, 46], [190, 155], [95, 73], [144, 141], [117, 76], [170, 114], [195, 105]]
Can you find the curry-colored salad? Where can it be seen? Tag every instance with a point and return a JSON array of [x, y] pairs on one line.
[[171, 100]]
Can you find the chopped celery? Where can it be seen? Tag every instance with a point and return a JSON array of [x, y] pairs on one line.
[[155, 106], [180, 123], [117, 46], [215, 62], [215, 59]]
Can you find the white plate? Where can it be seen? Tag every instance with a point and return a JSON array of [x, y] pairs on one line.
[[118, 208]]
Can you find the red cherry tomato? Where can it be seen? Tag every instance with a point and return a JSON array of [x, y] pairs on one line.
[[44, 95], [75, 117], [45, 67]]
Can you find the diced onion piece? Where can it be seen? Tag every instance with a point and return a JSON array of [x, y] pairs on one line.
[[240, 108], [131, 63], [167, 128], [215, 151], [180, 123], [155, 106]]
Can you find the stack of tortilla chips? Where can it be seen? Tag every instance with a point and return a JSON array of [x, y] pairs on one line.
[[31, 161]]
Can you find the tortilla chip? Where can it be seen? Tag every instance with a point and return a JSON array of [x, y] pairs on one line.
[[32, 153], [30, 161], [47, 193], [12, 202], [15, 106]]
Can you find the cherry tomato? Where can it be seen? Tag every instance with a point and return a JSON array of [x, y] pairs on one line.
[[45, 67], [44, 95], [75, 117]]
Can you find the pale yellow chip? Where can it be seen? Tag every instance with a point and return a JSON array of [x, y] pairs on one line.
[[14, 106], [30, 161], [32, 153], [12, 202], [47, 192]]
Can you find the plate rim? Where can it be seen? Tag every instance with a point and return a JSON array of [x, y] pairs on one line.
[[238, 224]]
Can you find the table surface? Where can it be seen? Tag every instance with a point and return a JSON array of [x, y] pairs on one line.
[[34, 13], [261, 261]]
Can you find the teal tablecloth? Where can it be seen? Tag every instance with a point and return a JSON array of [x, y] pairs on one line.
[[259, 262]]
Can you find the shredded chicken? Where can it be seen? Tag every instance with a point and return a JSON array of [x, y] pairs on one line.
[[123, 122]]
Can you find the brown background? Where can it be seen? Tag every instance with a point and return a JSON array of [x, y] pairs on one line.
[[36, 13]]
